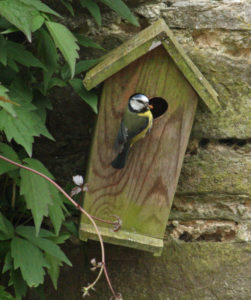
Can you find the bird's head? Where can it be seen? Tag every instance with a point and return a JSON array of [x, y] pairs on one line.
[[139, 103]]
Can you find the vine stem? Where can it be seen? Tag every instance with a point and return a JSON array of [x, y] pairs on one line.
[[82, 211], [103, 221], [13, 198]]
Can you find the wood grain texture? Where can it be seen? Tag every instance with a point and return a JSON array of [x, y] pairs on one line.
[[141, 194]]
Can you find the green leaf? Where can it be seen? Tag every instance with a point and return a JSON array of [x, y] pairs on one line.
[[65, 42], [30, 260], [7, 263], [4, 24], [11, 63], [10, 30], [47, 50], [19, 14], [47, 78], [41, 7], [55, 209], [84, 65], [16, 129], [86, 42], [8, 152], [37, 22], [61, 238], [68, 6], [6, 228], [3, 51], [88, 97], [121, 9], [56, 82], [18, 53], [37, 196], [7, 106], [53, 271], [7, 75], [37, 165], [81, 66], [4, 248], [19, 284], [27, 123], [4, 295], [49, 247], [42, 103], [72, 227], [21, 93], [44, 233], [23, 128], [93, 9]]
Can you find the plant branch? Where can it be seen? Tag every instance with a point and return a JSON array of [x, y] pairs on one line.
[[103, 221], [109, 282], [13, 198], [79, 208]]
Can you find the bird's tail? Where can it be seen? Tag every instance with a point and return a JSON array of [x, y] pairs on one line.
[[120, 160]]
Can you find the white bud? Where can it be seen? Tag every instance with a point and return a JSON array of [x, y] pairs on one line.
[[93, 261], [76, 190], [78, 180]]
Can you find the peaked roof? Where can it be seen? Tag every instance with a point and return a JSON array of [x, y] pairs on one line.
[[146, 40]]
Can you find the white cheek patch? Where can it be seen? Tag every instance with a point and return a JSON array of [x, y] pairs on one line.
[[137, 105]]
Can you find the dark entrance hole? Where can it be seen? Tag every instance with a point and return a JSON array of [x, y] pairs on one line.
[[160, 106]]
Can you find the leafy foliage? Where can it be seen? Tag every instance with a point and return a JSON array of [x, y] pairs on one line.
[[118, 6], [93, 8], [37, 53], [20, 15], [90, 98], [36, 195], [4, 295], [7, 230], [121, 9], [7, 151], [66, 42], [30, 260]]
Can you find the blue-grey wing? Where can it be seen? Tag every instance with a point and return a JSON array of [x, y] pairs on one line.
[[128, 131], [122, 137]]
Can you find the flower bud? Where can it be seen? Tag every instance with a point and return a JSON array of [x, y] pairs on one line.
[[78, 180]]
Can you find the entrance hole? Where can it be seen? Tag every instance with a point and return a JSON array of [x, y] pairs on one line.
[[160, 106]]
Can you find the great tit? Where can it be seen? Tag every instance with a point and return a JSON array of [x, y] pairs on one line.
[[136, 122]]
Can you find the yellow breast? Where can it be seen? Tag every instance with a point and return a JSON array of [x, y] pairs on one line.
[[142, 134]]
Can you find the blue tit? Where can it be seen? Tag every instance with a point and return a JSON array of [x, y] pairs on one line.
[[136, 122]]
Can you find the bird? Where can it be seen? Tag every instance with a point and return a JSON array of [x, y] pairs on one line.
[[136, 122]]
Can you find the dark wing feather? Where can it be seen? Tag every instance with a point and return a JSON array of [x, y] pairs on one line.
[[141, 125], [130, 126], [121, 137]]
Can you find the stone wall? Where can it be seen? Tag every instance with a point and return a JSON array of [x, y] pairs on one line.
[[207, 252]]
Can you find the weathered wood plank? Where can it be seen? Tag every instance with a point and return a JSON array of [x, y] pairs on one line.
[[126, 53], [192, 73], [141, 194], [146, 40], [125, 238]]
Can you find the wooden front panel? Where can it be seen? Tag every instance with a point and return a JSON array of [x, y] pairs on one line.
[[141, 194]]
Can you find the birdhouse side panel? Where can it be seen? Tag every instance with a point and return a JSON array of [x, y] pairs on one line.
[[141, 193]]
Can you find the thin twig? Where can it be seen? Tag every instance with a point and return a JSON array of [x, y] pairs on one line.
[[78, 207], [109, 282], [13, 198], [102, 220]]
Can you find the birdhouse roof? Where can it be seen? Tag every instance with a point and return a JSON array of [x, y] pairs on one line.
[[153, 36]]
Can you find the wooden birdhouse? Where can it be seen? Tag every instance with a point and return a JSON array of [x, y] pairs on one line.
[[141, 194]]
